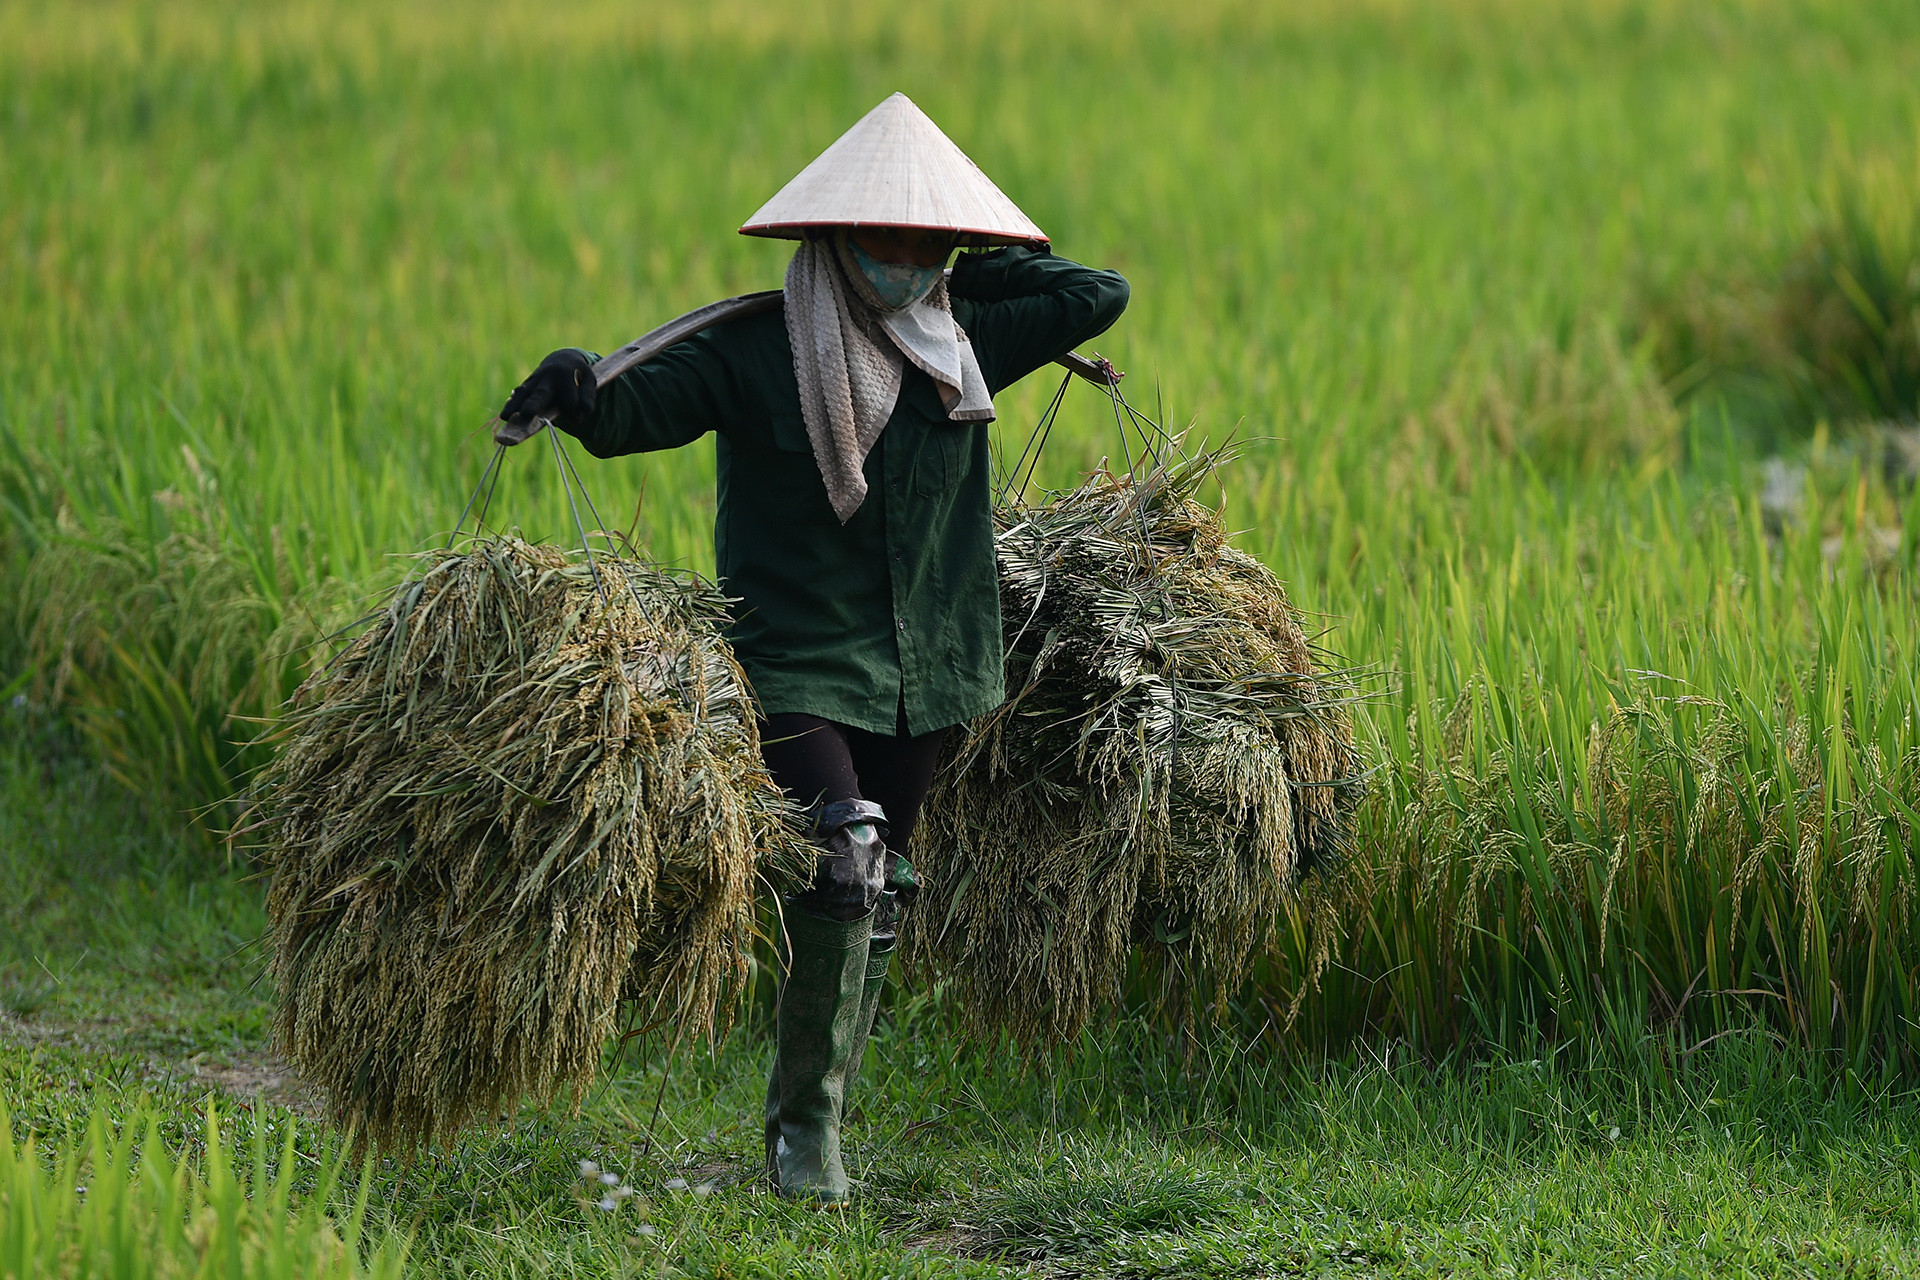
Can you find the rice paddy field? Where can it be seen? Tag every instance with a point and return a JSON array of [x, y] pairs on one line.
[[1572, 352]]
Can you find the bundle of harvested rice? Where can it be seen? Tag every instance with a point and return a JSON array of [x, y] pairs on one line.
[[1167, 764], [508, 808]]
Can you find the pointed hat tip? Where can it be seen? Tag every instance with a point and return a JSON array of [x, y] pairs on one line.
[[894, 167]]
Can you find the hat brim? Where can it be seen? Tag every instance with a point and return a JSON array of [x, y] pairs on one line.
[[967, 237]]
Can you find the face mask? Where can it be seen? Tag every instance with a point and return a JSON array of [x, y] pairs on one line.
[[897, 284]]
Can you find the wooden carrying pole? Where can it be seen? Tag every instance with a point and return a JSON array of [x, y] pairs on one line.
[[649, 345]]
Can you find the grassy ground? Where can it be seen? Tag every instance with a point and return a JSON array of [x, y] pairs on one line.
[[128, 989]]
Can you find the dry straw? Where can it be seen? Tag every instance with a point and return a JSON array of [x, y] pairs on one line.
[[506, 810], [1166, 765]]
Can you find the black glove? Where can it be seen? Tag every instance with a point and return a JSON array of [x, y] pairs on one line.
[[561, 388]]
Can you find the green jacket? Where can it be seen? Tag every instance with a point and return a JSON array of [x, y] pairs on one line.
[[895, 614]]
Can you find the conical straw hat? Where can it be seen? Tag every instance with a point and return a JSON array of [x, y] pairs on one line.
[[896, 169]]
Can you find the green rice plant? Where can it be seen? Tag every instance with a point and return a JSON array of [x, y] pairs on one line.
[[1578, 403], [1611, 835], [118, 1204], [1642, 753], [170, 644], [1849, 312], [1829, 333]]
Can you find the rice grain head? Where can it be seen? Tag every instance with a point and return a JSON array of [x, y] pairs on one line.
[[1170, 759], [505, 811]]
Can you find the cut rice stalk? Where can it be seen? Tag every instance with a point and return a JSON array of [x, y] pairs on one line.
[[506, 810], [1169, 761]]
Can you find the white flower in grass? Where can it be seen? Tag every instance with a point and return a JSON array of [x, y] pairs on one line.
[[588, 1169]]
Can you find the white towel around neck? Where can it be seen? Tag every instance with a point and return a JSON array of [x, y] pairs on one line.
[[849, 356]]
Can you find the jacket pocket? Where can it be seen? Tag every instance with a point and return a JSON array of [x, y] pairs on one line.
[[942, 461], [789, 431]]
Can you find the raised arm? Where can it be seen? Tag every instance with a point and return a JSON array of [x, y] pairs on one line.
[[1027, 307], [673, 399]]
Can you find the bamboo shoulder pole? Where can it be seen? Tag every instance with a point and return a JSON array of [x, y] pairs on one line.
[[650, 344]]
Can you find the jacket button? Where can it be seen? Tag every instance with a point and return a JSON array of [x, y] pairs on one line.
[[902, 624]]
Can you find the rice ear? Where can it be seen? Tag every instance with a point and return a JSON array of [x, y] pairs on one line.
[[503, 812], [1169, 762]]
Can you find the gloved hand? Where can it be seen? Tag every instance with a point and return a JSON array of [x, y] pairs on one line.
[[562, 389]]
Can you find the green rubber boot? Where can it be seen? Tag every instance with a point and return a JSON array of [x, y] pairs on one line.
[[879, 956], [816, 1035]]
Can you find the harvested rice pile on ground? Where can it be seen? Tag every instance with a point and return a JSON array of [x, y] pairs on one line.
[[1167, 764], [500, 814]]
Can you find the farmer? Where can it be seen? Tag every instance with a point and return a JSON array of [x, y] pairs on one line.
[[855, 526]]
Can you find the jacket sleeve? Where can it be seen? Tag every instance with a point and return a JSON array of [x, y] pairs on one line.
[[687, 390], [1030, 307]]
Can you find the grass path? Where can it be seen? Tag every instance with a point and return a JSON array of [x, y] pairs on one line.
[[128, 980]]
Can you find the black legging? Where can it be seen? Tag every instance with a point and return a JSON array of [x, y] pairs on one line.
[[818, 761]]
